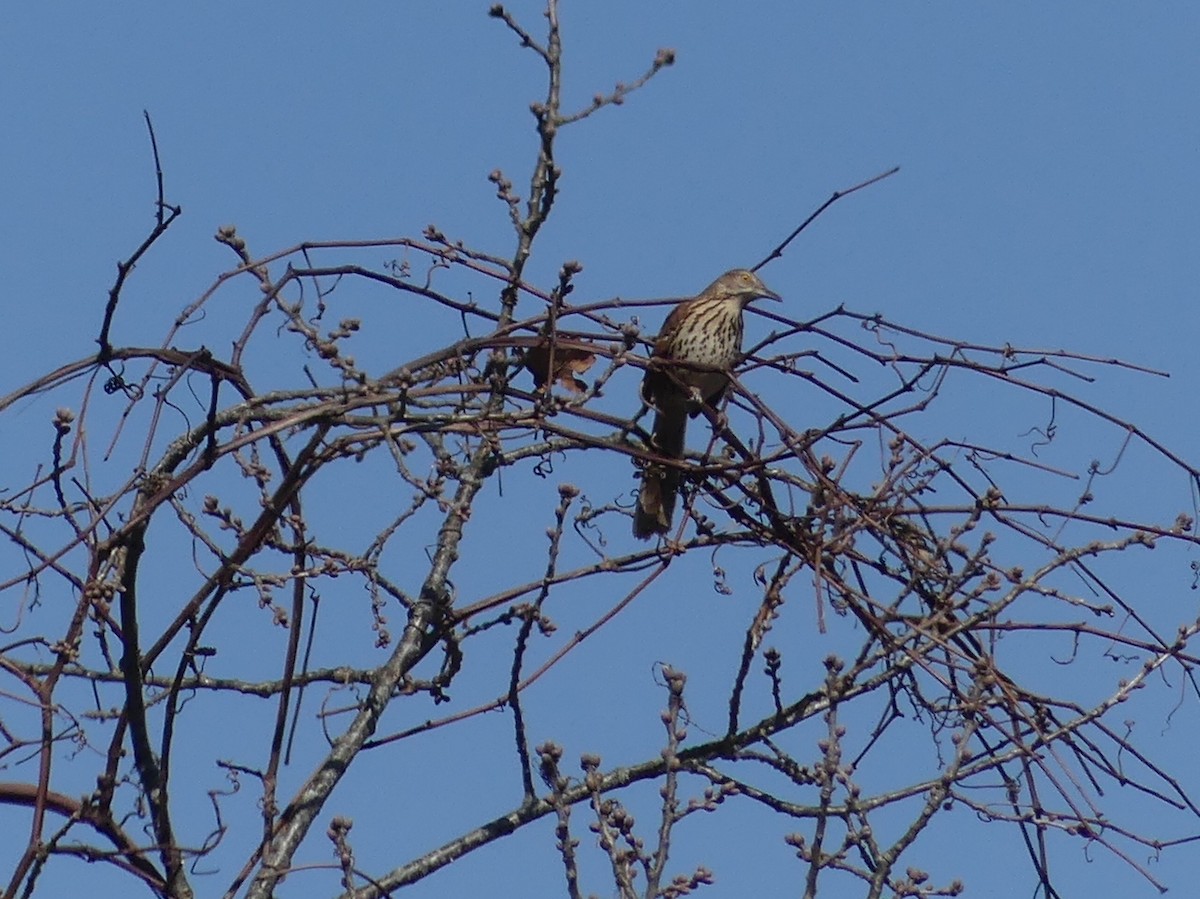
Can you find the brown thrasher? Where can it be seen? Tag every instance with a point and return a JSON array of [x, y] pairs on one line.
[[700, 341]]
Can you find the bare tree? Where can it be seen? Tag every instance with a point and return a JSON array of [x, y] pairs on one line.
[[963, 589]]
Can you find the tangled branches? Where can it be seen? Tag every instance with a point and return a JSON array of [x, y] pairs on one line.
[[959, 592]]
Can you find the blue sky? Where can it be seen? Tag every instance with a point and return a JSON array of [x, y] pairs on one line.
[[1048, 196]]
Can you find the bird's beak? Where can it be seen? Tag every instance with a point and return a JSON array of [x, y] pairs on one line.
[[768, 294]]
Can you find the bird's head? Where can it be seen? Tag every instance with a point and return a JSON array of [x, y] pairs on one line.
[[742, 284]]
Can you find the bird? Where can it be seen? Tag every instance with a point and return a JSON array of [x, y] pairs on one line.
[[700, 342]]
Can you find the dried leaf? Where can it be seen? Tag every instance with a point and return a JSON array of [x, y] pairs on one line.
[[568, 362]]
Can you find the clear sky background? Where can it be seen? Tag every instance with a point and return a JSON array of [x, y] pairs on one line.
[[1049, 196]]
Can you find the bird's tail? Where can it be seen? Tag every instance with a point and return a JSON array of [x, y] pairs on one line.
[[660, 484]]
